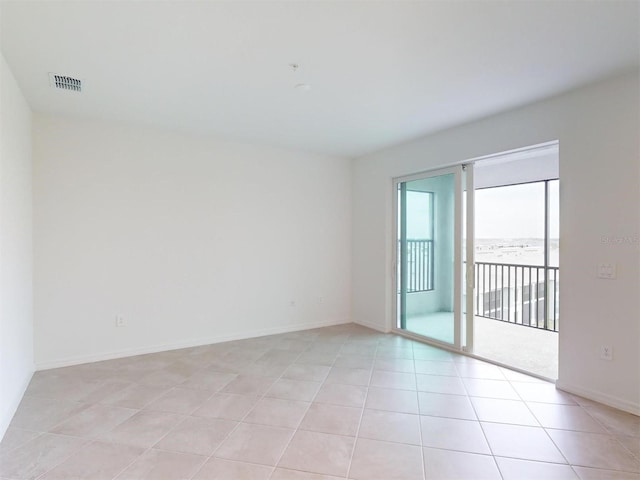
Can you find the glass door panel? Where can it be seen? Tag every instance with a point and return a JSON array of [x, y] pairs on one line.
[[429, 254]]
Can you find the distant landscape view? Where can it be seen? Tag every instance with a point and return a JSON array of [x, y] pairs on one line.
[[510, 230], [520, 251], [510, 224]]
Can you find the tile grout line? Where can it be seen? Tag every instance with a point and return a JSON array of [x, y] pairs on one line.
[[239, 422], [607, 431], [484, 434], [541, 426], [422, 457], [364, 404], [85, 444], [169, 431], [611, 434], [87, 441], [275, 467], [21, 444], [120, 472], [172, 428]]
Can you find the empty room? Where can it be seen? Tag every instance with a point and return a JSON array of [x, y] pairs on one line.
[[319, 240]]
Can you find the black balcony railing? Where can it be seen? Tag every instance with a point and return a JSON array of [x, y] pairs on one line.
[[419, 263], [521, 294]]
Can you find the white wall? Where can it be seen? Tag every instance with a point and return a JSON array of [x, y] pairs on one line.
[[192, 240], [16, 257], [598, 129]]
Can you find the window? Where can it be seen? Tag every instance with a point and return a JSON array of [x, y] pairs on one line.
[[419, 240]]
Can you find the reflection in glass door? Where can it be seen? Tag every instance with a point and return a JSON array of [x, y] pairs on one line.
[[429, 255]]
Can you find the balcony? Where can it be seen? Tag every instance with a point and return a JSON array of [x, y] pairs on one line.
[[528, 349], [517, 314], [531, 350], [509, 297]]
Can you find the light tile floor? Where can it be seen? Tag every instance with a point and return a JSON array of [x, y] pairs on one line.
[[337, 402]]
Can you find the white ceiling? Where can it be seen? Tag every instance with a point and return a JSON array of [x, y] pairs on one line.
[[381, 72]]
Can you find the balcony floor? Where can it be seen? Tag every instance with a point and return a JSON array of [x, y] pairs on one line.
[[525, 348]]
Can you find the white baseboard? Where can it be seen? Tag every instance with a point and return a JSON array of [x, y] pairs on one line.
[[13, 405], [372, 326], [81, 359], [600, 397]]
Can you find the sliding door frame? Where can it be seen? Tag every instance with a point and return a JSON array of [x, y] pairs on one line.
[[459, 171], [470, 257]]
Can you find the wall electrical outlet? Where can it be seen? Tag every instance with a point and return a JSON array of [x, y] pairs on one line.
[[120, 321], [606, 352], [607, 271]]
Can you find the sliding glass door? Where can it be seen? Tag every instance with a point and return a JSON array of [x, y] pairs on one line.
[[429, 256]]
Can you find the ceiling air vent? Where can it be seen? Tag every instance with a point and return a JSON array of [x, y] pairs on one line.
[[64, 82]]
